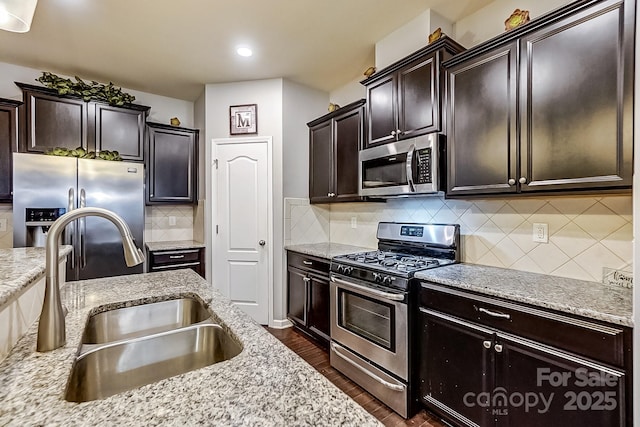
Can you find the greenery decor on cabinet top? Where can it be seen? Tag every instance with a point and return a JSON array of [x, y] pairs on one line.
[[88, 91], [81, 153]]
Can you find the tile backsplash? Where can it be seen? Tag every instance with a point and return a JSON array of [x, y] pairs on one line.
[[158, 226], [305, 223], [585, 233]]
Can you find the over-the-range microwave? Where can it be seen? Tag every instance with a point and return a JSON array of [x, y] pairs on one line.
[[403, 168]]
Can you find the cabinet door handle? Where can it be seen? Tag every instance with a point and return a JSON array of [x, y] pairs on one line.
[[486, 344], [512, 181], [498, 348], [393, 133], [176, 256], [522, 180], [306, 279], [307, 262], [494, 313]]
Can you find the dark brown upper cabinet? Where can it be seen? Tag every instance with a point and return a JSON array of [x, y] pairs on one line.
[[334, 142], [404, 99], [546, 107], [52, 121], [172, 164], [8, 145], [120, 129]]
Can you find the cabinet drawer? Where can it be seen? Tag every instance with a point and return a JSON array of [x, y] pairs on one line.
[[176, 257], [308, 263], [598, 341]]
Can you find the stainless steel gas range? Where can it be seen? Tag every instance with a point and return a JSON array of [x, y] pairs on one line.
[[371, 302]]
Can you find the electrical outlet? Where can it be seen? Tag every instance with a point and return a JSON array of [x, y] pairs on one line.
[[3, 224], [541, 233], [354, 222], [172, 220]]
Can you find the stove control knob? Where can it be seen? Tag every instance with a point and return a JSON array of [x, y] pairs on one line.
[[347, 270], [340, 269], [386, 280], [377, 277]]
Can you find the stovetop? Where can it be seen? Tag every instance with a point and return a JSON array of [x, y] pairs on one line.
[[403, 249], [397, 263]]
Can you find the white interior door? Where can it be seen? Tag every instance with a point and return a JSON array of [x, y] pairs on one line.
[[240, 232]]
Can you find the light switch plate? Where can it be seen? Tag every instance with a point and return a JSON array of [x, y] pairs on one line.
[[354, 222], [172, 220], [3, 224], [541, 232]]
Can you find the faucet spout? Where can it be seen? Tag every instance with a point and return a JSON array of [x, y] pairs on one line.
[[51, 327]]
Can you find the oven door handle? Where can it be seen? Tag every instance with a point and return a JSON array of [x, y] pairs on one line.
[[395, 387], [368, 291], [410, 154]]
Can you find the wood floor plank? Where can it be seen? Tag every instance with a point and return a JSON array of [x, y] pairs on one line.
[[317, 356]]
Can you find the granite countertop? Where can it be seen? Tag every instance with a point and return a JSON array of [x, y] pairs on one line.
[[20, 267], [174, 245], [266, 384], [326, 250], [589, 299]]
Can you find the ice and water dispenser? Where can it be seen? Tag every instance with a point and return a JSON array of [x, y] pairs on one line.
[[37, 223]]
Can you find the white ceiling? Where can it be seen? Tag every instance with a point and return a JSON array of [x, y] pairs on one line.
[[173, 48]]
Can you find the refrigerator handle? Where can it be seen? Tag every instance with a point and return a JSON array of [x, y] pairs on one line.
[[71, 230], [83, 229]]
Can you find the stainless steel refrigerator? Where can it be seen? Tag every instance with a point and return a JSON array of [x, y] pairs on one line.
[[45, 187]]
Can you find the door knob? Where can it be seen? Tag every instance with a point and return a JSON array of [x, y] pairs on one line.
[[486, 344], [262, 242]]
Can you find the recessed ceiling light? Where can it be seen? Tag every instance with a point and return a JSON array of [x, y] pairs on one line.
[[244, 51]]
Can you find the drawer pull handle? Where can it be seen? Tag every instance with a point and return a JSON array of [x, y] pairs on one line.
[[498, 348], [307, 262], [486, 344], [176, 256], [494, 313]]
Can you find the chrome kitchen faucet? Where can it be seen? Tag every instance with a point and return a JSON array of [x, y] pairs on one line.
[[51, 327]]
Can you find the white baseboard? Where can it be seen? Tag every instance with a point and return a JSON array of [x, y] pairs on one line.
[[281, 324]]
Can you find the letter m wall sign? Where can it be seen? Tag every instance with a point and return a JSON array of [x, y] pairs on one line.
[[243, 119]]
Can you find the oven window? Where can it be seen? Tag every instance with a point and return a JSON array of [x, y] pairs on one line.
[[390, 171], [367, 318]]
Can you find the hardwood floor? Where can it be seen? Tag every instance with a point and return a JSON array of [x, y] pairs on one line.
[[317, 357]]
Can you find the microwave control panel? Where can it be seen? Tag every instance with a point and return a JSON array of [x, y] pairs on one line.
[[423, 166]]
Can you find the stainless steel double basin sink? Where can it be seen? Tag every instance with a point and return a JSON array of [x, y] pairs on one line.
[[129, 347]]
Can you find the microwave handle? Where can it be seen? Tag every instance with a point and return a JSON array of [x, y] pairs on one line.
[[410, 154]]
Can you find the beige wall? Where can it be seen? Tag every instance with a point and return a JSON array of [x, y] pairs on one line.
[[488, 22], [162, 107]]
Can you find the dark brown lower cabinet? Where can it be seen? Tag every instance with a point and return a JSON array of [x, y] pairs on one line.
[[546, 386], [175, 259], [308, 294], [473, 374]]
